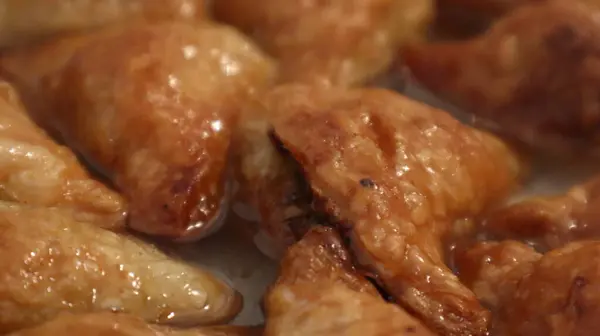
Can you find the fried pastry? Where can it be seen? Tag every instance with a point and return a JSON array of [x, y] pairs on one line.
[[340, 42], [35, 170], [497, 8], [267, 185], [553, 294], [267, 182], [52, 263], [548, 222], [393, 174], [24, 21], [489, 8], [468, 18], [487, 268], [153, 107], [319, 293], [533, 76], [103, 324]]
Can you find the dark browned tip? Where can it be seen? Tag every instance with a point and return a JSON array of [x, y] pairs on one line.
[[199, 228]]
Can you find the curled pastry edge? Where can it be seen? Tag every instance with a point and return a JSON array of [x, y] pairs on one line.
[[200, 230]]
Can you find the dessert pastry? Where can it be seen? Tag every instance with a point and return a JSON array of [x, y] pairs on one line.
[[497, 8], [319, 293], [34, 170], [553, 294], [25, 21], [52, 263], [102, 324], [339, 42], [267, 183], [392, 175], [152, 106], [548, 222], [532, 76]]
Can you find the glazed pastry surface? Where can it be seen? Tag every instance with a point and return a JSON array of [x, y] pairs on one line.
[[52, 264], [152, 106]]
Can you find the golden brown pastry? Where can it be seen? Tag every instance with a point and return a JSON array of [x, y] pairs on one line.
[[496, 8], [549, 222], [553, 294], [111, 324], [318, 293], [35, 170], [153, 107], [23, 21], [534, 75], [490, 8], [487, 268], [459, 19], [394, 174], [340, 42], [267, 182], [51, 263]]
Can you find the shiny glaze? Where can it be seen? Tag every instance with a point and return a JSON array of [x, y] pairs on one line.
[[152, 106], [35, 170], [533, 76], [553, 294], [52, 263], [111, 324], [24, 21], [548, 222], [394, 173], [487, 268], [319, 293], [340, 42]]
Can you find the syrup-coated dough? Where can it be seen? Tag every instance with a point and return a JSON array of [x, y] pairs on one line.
[[318, 293], [535, 295], [50, 263], [24, 21], [34, 170], [114, 324], [534, 76], [336, 42], [548, 222], [153, 107], [393, 174]]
